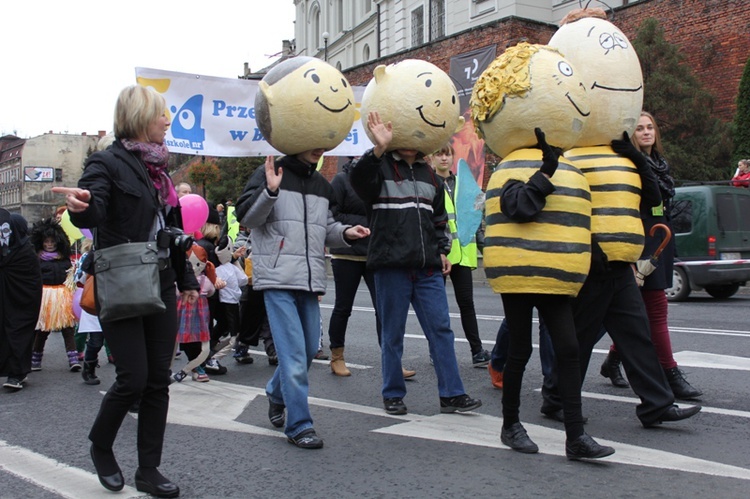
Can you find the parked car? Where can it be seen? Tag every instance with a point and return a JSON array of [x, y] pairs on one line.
[[712, 232]]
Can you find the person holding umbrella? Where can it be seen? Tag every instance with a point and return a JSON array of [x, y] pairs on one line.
[[656, 261]]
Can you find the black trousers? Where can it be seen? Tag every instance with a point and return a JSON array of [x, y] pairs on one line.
[[557, 314], [346, 276], [616, 303], [143, 348], [463, 287], [252, 316]]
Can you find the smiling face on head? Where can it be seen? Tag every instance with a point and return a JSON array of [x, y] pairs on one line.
[[611, 71], [529, 86], [304, 103], [419, 99]]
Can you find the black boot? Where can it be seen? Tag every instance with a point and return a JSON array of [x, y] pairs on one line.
[[89, 373], [611, 369], [680, 387]]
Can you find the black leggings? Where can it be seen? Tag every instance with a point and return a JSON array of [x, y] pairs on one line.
[[463, 287], [558, 316]]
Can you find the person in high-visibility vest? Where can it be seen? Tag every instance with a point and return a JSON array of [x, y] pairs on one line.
[[463, 257]]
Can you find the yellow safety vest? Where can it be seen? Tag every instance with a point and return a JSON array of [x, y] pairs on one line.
[[552, 253], [459, 255]]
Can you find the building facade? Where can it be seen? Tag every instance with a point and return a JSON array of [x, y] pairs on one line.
[[713, 35], [29, 168]]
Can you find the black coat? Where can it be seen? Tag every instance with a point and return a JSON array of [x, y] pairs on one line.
[[349, 210], [54, 272], [124, 204]]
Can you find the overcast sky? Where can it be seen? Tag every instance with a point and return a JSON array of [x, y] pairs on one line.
[[64, 62]]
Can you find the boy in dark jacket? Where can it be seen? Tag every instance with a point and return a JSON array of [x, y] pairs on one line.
[[408, 253]]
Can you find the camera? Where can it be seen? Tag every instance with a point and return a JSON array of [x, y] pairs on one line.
[[174, 238]]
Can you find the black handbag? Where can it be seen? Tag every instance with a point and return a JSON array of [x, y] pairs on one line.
[[127, 281]]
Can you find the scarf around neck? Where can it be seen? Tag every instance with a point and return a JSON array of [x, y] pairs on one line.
[[155, 156]]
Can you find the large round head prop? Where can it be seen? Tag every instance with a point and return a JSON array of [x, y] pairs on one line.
[[420, 101], [526, 87], [610, 69], [304, 103]]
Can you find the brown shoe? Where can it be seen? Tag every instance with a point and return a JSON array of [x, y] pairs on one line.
[[496, 377], [408, 373], [338, 365]]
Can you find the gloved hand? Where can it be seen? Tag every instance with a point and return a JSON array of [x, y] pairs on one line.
[[550, 154], [626, 148]]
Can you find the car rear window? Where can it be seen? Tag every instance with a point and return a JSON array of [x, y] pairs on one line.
[[682, 216], [728, 220]]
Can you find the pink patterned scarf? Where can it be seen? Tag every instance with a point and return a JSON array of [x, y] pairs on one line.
[[155, 157]]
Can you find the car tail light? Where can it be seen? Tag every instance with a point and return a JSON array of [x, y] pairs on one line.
[[712, 246]]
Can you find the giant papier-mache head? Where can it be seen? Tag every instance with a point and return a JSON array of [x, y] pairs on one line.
[[304, 103], [526, 87], [420, 101], [610, 69]]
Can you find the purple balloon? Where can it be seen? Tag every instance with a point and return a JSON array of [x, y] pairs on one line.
[[86, 233], [77, 301]]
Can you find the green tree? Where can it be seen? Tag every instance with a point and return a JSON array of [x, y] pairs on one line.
[[235, 172], [741, 127], [697, 145], [204, 173]]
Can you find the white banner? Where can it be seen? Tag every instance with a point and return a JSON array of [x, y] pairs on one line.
[[216, 116]]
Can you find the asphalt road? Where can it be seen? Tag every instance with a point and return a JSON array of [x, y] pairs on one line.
[[220, 444]]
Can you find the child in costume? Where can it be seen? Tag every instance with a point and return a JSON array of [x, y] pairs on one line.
[[194, 331], [89, 328], [56, 313], [20, 297], [410, 109], [228, 314]]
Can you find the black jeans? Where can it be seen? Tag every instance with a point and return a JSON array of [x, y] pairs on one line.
[[615, 301], [346, 277], [558, 316], [463, 287], [143, 348]]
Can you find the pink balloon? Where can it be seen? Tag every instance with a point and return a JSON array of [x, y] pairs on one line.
[[194, 212], [77, 302], [86, 233]]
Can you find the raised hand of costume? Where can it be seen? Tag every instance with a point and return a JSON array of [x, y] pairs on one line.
[[382, 133], [626, 148], [550, 154]]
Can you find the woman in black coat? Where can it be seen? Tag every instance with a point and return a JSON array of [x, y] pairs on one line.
[[127, 195]]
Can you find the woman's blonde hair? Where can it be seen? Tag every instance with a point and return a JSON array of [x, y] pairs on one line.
[[137, 107], [211, 231]]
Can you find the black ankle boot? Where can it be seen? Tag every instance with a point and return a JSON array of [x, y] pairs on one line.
[[149, 480], [611, 369], [89, 373], [680, 387]]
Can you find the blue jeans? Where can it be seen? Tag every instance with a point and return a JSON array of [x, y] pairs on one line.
[[546, 352], [424, 289], [294, 317]]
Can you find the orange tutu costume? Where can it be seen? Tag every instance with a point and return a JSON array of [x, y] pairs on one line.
[[56, 311]]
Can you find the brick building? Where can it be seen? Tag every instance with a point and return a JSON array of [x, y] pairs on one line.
[[713, 35]]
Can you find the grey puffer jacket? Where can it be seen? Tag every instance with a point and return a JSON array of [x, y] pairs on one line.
[[290, 230]]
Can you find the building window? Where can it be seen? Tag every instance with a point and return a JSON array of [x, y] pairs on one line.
[[437, 19], [339, 16], [417, 26], [314, 33], [367, 5], [366, 53]]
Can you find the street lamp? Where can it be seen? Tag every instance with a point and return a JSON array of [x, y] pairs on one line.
[[325, 45]]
